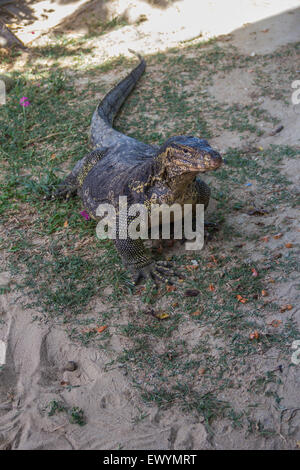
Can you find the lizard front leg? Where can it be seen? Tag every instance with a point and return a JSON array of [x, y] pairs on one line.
[[203, 192], [140, 264]]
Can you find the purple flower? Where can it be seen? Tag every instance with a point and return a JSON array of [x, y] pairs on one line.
[[85, 215], [24, 102]]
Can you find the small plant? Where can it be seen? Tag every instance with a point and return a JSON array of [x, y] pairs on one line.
[[76, 416], [56, 407]]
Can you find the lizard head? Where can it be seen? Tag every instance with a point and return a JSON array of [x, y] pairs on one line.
[[188, 155]]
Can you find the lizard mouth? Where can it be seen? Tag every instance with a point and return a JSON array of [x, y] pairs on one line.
[[207, 162]]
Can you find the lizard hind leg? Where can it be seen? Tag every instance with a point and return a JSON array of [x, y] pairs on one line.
[[65, 190], [74, 181]]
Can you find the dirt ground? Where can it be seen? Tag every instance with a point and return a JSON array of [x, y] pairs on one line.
[[41, 403]]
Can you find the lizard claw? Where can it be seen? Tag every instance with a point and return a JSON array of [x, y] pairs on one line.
[[63, 192], [159, 272]]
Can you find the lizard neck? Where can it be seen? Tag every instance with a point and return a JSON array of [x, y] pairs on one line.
[[171, 175]]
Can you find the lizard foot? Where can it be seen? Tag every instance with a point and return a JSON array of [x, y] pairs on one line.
[[159, 272], [63, 192]]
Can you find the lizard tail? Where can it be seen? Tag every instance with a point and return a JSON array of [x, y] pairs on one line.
[[112, 102]]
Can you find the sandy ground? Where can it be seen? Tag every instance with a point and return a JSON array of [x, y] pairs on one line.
[[34, 355]]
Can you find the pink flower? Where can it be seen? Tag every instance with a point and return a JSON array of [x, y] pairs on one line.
[[85, 215], [24, 102]]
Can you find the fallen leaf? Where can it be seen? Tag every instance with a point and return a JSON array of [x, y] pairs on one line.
[[170, 288], [175, 304], [196, 313], [266, 238], [53, 156], [140, 289], [241, 299], [278, 235], [286, 307], [88, 330], [101, 328], [202, 371], [288, 245], [64, 383], [254, 272], [191, 267], [210, 265], [66, 223], [275, 323], [211, 287], [254, 335], [162, 316], [264, 293]]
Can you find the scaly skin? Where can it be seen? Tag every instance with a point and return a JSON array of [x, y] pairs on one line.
[[122, 166]]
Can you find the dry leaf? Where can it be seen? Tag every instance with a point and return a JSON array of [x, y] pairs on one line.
[[254, 335], [286, 307], [254, 272], [211, 287], [191, 267], [170, 288], [266, 238], [278, 235], [140, 289], [66, 223], [196, 313], [202, 371], [288, 245], [101, 328], [275, 323], [162, 316], [241, 299], [264, 293]]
